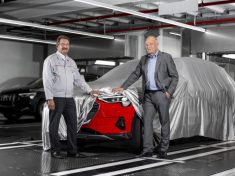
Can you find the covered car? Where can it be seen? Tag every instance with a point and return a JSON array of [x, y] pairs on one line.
[[203, 104]]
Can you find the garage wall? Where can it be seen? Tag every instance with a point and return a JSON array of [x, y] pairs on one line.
[[19, 59], [167, 43], [95, 47], [170, 44], [216, 39], [230, 69]]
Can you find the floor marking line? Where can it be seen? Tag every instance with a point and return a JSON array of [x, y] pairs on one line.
[[32, 141], [12, 143], [119, 163], [201, 147], [188, 150], [9, 143], [206, 153], [28, 143], [222, 143], [19, 146], [160, 159], [133, 169], [224, 173], [222, 147], [97, 166]]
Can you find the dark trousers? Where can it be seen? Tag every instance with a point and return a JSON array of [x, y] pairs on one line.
[[67, 108], [156, 102]]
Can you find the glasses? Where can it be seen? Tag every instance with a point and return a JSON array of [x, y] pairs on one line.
[[64, 44]]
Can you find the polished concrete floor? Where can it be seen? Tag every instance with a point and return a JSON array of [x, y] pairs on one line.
[[21, 154]]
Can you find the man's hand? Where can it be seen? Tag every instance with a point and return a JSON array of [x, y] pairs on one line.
[[117, 90], [168, 95], [94, 93], [51, 104]]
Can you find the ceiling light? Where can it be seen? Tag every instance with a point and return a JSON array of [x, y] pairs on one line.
[[139, 14], [146, 6], [51, 28], [174, 33], [9, 37], [233, 4], [101, 62], [229, 56], [216, 9]]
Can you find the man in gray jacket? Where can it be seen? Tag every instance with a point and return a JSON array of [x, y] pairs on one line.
[[60, 74], [159, 80]]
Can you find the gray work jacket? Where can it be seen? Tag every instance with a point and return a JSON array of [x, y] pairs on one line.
[[60, 75]]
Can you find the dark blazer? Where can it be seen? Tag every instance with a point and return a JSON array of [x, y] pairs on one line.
[[166, 75]]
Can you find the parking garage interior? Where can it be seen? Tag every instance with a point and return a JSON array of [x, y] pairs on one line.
[[105, 36]]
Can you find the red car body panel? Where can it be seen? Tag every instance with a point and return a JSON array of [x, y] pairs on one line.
[[105, 119]]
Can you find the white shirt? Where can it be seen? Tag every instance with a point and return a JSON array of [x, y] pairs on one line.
[[61, 55]]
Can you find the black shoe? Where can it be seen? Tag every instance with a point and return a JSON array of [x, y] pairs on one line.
[[162, 155], [146, 154], [57, 155], [76, 155], [156, 150]]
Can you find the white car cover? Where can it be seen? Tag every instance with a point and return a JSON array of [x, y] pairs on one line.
[[203, 103]]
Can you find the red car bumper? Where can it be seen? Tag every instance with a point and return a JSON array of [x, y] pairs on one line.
[[111, 119]]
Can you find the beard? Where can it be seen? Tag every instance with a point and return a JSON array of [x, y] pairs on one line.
[[65, 50]]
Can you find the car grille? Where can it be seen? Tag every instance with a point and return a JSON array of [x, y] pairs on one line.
[[7, 99], [92, 113]]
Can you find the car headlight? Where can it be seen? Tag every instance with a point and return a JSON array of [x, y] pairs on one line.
[[125, 101], [111, 99], [31, 95], [115, 99]]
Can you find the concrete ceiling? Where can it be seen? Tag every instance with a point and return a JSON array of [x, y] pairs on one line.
[[79, 16]]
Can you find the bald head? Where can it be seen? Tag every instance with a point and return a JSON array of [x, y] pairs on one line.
[[151, 44]]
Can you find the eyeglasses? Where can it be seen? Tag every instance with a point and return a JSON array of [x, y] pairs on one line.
[[64, 44]]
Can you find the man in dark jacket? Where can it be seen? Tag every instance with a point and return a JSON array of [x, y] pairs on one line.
[[159, 80]]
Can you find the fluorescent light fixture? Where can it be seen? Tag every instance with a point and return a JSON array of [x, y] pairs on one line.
[[9, 37], [174, 33], [233, 4], [51, 28], [101, 62], [139, 14], [229, 56], [146, 6], [216, 9]]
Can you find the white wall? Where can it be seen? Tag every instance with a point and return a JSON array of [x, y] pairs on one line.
[[89, 47], [17, 60], [215, 39], [167, 43], [135, 44], [170, 44]]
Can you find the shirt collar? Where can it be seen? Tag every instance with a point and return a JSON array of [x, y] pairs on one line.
[[155, 55], [61, 55]]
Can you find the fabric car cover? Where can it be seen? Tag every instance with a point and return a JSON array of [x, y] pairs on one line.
[[84, 104]]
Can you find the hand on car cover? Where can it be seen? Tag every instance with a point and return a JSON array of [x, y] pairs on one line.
[[117, 90], [95, 93]]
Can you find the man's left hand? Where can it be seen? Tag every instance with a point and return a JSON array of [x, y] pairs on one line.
[[95, 93], [168, 95]]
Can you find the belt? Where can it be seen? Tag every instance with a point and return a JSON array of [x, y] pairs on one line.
[[153, 91]]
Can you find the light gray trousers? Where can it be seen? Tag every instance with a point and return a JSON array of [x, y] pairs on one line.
[[156, 102]]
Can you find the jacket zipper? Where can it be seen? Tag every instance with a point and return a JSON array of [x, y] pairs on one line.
[[65, 79]]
